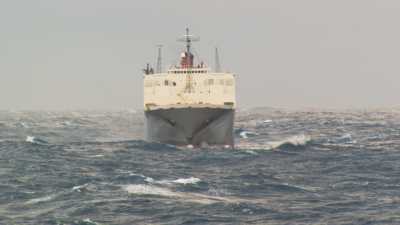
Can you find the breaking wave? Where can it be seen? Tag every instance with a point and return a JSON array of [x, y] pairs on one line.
[[184, 181], [296, 141], [140, 189], [191, 180], [143, 189], [41, 199], [34, 140], [290, 142], [245, 134]]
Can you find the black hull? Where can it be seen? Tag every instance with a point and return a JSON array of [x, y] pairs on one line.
[[190, 126]]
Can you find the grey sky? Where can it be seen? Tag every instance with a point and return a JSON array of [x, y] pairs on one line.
[[89, 54]]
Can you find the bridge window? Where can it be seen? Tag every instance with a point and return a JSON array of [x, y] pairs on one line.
[[166, 82], [210, 81]]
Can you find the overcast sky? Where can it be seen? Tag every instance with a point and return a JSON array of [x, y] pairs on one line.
[[88, 54]]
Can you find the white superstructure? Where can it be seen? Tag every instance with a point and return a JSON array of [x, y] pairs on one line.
[[197, 87]]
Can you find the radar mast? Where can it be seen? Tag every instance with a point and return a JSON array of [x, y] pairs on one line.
[[187, 57]]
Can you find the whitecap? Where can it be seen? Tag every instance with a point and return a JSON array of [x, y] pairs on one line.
[[97, 156], [347, 138], [66, 123], [30, 139], [41, 199], [304, 188], [79, 188], [146, 179], [89, 221], [247, 134], [251, 152], [298, 140], [149, 179], [149, 190], [23, 125], [34, 140], [133, 174], [191, 180], [140, 189], [184, 181]]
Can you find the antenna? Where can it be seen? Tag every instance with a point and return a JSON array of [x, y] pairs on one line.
[[188, 38], [159, 59], [217, 63]]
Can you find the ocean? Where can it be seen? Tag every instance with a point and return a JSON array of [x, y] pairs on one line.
[[288, 167]]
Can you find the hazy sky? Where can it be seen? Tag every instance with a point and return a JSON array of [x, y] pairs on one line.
[[88, 54]]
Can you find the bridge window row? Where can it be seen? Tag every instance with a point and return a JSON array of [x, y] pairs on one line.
[[207, 82]]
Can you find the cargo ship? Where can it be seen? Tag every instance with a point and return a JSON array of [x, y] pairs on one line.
[[189, 104]]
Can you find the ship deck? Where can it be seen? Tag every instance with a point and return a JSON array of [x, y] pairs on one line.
[[182, 106]]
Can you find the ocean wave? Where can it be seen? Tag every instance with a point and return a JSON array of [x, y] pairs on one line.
[[140, 189], [22, 125], [347, 138], [302, 187], [79, 188], [191, 180], [140, 176], [34, 140], [296, 141], [267, 121], [143, 189], [96, 156], [41, 199], [245, 133], [293, 141], [349, 184], [151, 190], [87, 221], [342, 140], [184, 181]]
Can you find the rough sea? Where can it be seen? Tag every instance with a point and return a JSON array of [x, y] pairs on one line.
[[288, 167]]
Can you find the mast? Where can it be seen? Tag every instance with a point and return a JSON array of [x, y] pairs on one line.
[[187, 56], [188, 41], [217, 63], [159, 60]]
